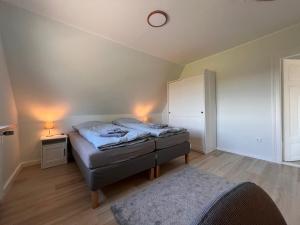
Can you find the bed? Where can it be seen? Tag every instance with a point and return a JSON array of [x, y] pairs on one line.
[[170, 142], [101, 168]]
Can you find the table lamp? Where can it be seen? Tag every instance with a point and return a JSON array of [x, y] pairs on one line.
[[49, 125]]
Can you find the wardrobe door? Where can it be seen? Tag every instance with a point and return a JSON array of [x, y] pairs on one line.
[[186, 102], [175, 101]]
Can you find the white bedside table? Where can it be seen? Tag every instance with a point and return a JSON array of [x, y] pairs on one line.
[[54, 150]]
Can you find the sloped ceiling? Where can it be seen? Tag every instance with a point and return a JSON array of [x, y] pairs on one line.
[[57, 69], [197, 28]]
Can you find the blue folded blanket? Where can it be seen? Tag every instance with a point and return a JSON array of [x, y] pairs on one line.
[[156, 130], [157, 126], [104, 136], [115, 132]]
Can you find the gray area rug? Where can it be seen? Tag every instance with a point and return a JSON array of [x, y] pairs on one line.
[[180, 198]]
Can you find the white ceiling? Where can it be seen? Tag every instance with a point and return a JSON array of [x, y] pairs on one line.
[[197, 28]]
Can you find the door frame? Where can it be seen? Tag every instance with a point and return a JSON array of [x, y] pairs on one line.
[[277, 106], [1, 170]]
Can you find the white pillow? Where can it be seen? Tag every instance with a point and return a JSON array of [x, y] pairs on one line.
[[87, 124], [126, 120]]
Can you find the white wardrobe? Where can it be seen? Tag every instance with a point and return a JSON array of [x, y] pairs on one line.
[[192, 105]]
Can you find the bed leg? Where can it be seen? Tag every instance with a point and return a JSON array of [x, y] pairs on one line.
[[157, 171], [151, 174], [187, 158], [95, 199]]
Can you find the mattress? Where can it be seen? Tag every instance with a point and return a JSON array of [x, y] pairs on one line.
[[94, 158], [171, 140]]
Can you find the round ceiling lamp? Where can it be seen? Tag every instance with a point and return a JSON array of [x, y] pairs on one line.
[[157, 18]]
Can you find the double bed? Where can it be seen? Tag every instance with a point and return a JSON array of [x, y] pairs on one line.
[[103, 164]]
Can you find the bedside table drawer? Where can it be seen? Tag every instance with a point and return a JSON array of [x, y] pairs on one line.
[[53, 141], [53, 152], [53, 156], [53, 146]]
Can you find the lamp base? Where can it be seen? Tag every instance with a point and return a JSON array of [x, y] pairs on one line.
[[49, 133]]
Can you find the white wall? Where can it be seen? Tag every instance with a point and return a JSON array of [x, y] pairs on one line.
[[9, 150], [54, 64], [58, 72], [248, 92]]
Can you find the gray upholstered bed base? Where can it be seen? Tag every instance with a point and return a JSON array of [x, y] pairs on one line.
[[99, 177], [102, 176], [167, 154]]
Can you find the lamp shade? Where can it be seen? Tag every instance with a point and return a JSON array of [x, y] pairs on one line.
[[49, 125]]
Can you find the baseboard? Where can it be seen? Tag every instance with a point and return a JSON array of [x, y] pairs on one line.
[[197, 148], [291, 164], [11, 179], [247, 155], [14, 175], [30, 163]]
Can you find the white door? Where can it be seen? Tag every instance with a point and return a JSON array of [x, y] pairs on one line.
[[291, 71], [186, 102]]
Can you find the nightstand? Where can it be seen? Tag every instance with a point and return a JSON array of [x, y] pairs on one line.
[[54, 150]]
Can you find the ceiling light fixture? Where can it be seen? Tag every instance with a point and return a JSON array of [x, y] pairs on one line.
[[157, 18]]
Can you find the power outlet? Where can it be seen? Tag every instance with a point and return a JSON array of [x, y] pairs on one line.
[[259, 140]]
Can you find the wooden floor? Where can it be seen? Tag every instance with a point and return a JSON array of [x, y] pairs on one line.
[[59, 196]]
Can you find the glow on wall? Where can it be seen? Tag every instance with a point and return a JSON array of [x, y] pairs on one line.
[[46, 113], [142, 111]]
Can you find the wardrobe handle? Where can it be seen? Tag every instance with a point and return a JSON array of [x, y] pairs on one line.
[[202, 112]]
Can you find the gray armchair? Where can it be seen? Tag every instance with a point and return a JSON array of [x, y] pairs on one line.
[[247, 204]]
